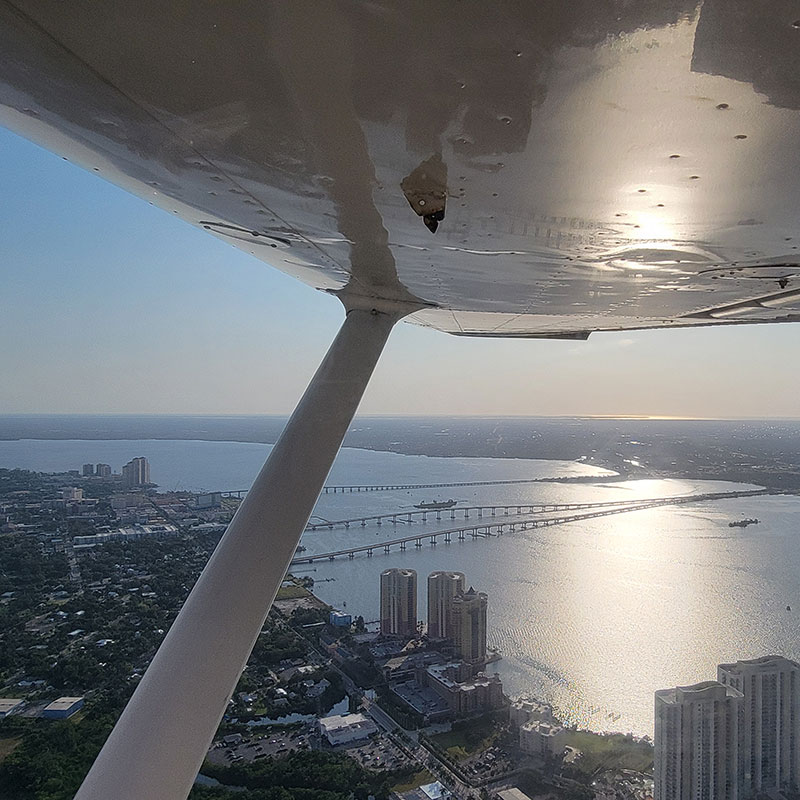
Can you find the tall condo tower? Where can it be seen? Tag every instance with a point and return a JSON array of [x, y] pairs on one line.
[[468, 615], [696, 742], [442, 588], [136, 472], [399, 602], [769, 742]]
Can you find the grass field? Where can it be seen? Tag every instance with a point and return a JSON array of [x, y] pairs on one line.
[[610, 752], [417, 779]]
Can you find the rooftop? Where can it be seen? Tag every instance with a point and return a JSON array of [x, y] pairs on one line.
[[338, 721], [63, 703]]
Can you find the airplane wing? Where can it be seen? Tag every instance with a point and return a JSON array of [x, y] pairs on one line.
[[512, 169], [516, 169]]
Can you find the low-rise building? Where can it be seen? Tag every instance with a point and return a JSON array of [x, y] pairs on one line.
[[526, 709], [465, 693], [63, 708], [155, 531], [540, 738], [10, 705], [345, 728], [318, 689], [423, 700], [513, 794], [408, 666], [430, 791]]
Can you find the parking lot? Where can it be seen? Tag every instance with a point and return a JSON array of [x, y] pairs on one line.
[[378, 753], [269, 743]]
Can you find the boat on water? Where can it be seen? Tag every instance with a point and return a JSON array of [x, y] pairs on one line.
[[435, 505], [743, 523]]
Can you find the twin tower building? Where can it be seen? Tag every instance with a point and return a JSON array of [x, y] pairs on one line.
[[731, 739], [455, 613]]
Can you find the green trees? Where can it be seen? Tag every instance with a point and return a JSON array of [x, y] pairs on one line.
[[303, 775], [53, 757]]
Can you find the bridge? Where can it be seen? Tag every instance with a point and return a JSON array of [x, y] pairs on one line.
[[481, 530], [410, 517], [388, 487]]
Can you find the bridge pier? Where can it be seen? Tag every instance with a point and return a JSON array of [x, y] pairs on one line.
[[369, 553], [402, 545], [461, 535], [447, 538], [418, 543], [439, 516], [452, 514], [363, 523], [351, 555]]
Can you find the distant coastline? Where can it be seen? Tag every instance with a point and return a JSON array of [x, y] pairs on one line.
[[765, 452]]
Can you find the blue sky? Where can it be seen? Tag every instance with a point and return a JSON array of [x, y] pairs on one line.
[[108, 304]]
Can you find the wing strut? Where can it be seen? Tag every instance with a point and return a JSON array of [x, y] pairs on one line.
[[162, 736]]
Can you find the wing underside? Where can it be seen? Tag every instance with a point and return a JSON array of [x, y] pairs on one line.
[[519, 170]]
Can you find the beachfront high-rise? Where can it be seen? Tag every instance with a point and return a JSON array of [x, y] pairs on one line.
[[769, 744], [468, 614], [136, 472], [442, 588], [696, 742], [399, 602]]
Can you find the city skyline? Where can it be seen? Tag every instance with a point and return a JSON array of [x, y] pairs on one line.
[[67, 291]]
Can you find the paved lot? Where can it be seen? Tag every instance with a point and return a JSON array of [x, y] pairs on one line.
[[275, 744], [378, 753]]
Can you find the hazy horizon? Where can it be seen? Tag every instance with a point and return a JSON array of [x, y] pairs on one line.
[[111, 306]]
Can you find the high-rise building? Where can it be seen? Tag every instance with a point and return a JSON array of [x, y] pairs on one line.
[[136, 472], [468, 619], [399, 602], [442, 588], [769, 745], [88, 470], [696, 742], [103, 470]]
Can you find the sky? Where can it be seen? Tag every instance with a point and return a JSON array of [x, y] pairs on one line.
[[110, 305]]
